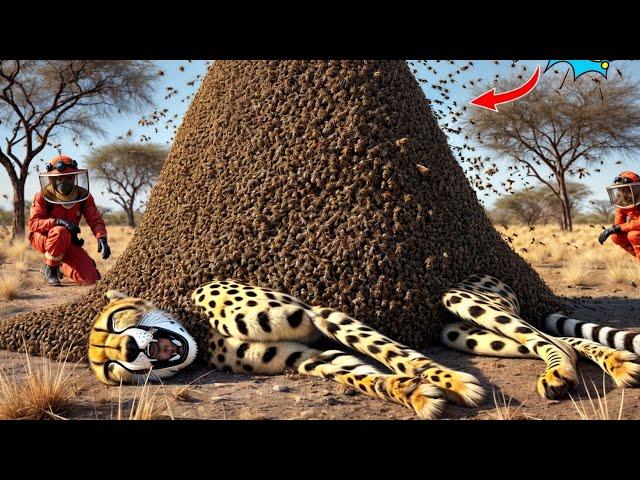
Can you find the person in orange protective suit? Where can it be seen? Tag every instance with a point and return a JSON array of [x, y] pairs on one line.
[[53, 223], [625, 195]]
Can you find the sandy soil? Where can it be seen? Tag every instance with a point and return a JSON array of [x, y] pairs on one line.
[[214, 395]]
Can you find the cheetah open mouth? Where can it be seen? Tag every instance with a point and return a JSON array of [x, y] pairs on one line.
[[153, 350]]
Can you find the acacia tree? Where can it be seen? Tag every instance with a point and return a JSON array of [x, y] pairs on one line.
[[556, 133], [526, 206], [603, 210], [127, 169], [534, 205], [42, 98], [577, 193]]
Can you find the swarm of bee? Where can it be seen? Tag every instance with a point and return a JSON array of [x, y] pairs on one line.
[[330, 181]]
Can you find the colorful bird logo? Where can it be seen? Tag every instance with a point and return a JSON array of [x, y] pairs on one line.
[[580, 67]]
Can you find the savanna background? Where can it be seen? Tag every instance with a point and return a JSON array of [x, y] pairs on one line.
[[540, 177]]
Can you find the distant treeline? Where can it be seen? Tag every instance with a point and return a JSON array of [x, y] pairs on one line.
[[110, 217]]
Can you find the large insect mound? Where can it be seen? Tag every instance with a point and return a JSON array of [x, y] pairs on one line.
[[327, 180]]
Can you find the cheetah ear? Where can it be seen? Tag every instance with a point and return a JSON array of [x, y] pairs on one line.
[[114, 294]]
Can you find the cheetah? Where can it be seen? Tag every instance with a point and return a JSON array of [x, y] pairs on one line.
[[257, 330], [490, 324]]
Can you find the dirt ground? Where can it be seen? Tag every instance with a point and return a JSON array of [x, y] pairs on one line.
[[214, 395]]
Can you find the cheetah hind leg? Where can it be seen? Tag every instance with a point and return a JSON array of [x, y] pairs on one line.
[[477, 341], [425, 399], [486, 302], [621, 365], [615, 351], [458, 387], [273, 358]]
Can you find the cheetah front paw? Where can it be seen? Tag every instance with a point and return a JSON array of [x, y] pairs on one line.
[[458, 387], [556, 382], [622, 367], [426, 399]]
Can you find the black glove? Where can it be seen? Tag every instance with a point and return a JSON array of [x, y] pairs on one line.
[[605, 233], [103, 247], [72, 227]]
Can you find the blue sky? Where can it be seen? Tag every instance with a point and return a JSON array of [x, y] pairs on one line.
[[487, 70], [173, 76], [119, 125]]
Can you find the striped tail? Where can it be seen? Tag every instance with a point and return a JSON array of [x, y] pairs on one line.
[[559, 324]]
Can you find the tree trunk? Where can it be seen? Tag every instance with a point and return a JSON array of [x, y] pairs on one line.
[[567, 224], [18, 210], [130, 218]]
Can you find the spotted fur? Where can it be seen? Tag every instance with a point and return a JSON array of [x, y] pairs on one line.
[[259, 330], [492, 326], [256, 330]]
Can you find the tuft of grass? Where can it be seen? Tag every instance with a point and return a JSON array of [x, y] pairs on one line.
[[536, 254], [558, 252], [503, 409], [46, 392], [597, 407], [185, 392], [12, 283], [633, 269], [593, 257], [145, 405], [17, 250], [23, 265], [247, 413], [578, 271], [619, 271]]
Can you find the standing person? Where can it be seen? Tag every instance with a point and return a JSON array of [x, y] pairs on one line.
[[624, 194], [53, 223]]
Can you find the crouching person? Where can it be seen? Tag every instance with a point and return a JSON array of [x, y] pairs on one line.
[[53, 223]]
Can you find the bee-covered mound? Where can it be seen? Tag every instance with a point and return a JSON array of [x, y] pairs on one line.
[[330, 181]]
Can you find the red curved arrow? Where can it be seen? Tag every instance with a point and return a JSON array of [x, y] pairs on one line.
[[489, 99]]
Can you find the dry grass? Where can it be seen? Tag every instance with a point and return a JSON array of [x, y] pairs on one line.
[[12, 283], [46, 392], [594, 258], [578, 271], [582, 261], [558, 252], [247, 413], [184, 394], [619, 271], [23, 265], [597, 407], [503, 409], [19, 250], [119, 238], [145, 405], [537, 254]]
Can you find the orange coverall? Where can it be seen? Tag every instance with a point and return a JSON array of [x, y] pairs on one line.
[[629, 237], [55, 241]]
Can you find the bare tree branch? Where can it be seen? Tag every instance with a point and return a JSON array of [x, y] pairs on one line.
[[562, 132], [43, 97], [127, 169]]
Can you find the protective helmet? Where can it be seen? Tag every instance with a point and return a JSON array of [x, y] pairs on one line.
[[123, 338], [153, 326], [625, 191], [64, 182]]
